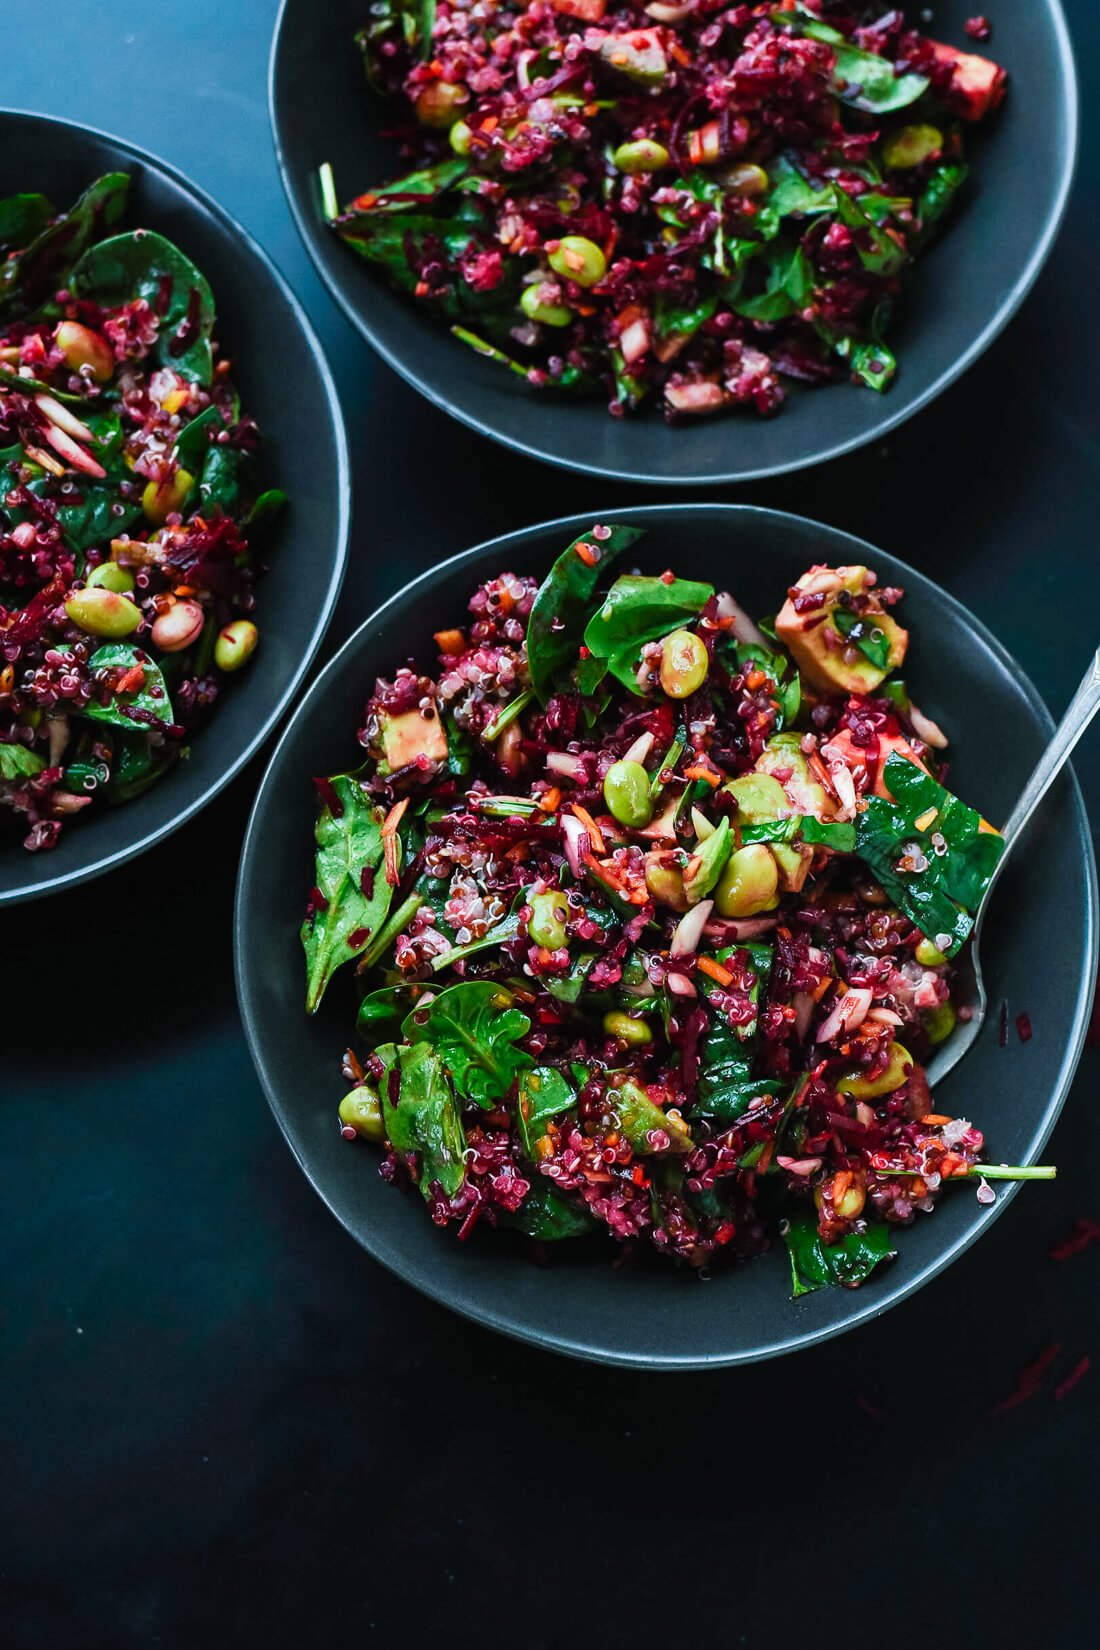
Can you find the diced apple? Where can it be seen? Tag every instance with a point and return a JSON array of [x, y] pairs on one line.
[[820, 651], [841, 748], [410, 736], [978, 84]]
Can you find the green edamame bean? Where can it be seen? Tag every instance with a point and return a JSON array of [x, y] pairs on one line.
[[633, 1032], [576, 258], [103, 612], [626, 792], [110, 576], [684, 664], [236, 644], [749, 882], [361, 1110], [939, 1022], [746, 179], [664, 877], [870, 1088], [549, 915], [929, 955], [536, 309], [459, 137], [643, 155]]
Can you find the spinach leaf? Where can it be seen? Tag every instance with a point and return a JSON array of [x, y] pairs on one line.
[[219, 484], [567, 988], [849, 1262], [381, 1012], [17, 762], [543, 1094], [564, 603], [640, 609], [349, 843], [862, 79], [266, 508], [506, 929], [476, 1036], [412, 191], [790, 284], [938, 196], [878, 251], [871, 641], [195, 437], [22, 217], [871, 362], [151, 697], [547, 1216], [96, 515], [792, 194], [143, 264], [639, 1117], [37, 272], [726, 1084], [424, 1122], [943, 897]]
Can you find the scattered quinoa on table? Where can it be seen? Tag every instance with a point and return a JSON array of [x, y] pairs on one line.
[[690, 202], [653, 910]]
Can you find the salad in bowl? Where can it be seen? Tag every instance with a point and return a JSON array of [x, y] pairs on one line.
[[654, 909]]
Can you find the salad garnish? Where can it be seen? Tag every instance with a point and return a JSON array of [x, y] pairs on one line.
[[128, 535], [653, 911], [692, 204]]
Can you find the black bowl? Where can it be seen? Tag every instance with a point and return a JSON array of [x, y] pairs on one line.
[[285, 383], [964, 292], [654, 1316]]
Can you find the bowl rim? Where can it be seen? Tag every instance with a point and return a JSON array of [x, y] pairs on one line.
[[51, 884], [877, 1303], [375, 336]]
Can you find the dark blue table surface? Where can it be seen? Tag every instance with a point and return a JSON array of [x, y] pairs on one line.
[[220, 1423]]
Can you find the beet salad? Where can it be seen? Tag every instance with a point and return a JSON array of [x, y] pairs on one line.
[[653, 911]]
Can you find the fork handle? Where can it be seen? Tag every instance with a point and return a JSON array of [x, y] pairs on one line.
[[1086, 703]]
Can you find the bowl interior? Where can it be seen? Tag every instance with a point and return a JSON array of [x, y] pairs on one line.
[[660, 1316], [285, 384], [963, 292]]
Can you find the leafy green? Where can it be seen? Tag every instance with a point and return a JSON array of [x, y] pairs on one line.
[[543, 1094], [639, 609], [792, 194], [507, 929], [36, 272], [22, 217], [943, 897], [547, 1216], [143, 264], [939, 194], [424, 1121], [639, 1117], [871, 641], [381, 1012], [878, 251], [726, 1084], [863, 79], [789, 286], [99, 515], [219, 483], [563, 606], [152, 696], [196, 436], [849, 1262], [348, 843], [17, 762], [476, 1036], [706, 864], [567, 988]]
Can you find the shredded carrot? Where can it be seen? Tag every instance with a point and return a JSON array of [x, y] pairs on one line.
[[755, 679], [184, 590], [366, 201], [390, 846], [550, 803], [450, 641], [604, 870], [594, 835], [714, 970], [934, 1120], [586, 553], [491, 124], [819, 990], [697, 771], [544, 1146], [421, 289], [393, 818], [765, 1157]]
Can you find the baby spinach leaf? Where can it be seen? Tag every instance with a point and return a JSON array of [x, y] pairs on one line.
[[943, 897], [381, 1012], [850, 1262], [42, 267], [424, 1123], [639, 609], [17, 762], [878, 251], [22, 217], [476, 1036], [151, 697], [543, 1094], [266, 507], [563, 605], [349, 843], [871, 641], [96, 515], [939, 194], [860, 78], [547, 1216], [195, 438], [726, 1084], [143, 264], [219, 484], [507, 929], [792, 194], [789, 287]]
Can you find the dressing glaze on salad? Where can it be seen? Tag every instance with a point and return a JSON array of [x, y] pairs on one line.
[[653, 911], [688, 202], [127, 536]]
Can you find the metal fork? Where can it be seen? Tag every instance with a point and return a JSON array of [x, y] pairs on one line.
[[969, 987]]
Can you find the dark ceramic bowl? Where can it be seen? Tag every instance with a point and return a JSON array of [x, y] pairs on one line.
[[963, 293], [658, 1316], [285, 383]]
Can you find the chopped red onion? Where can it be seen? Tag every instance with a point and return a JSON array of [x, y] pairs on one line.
[[689, 931], [743, 627], [850, 1012]]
